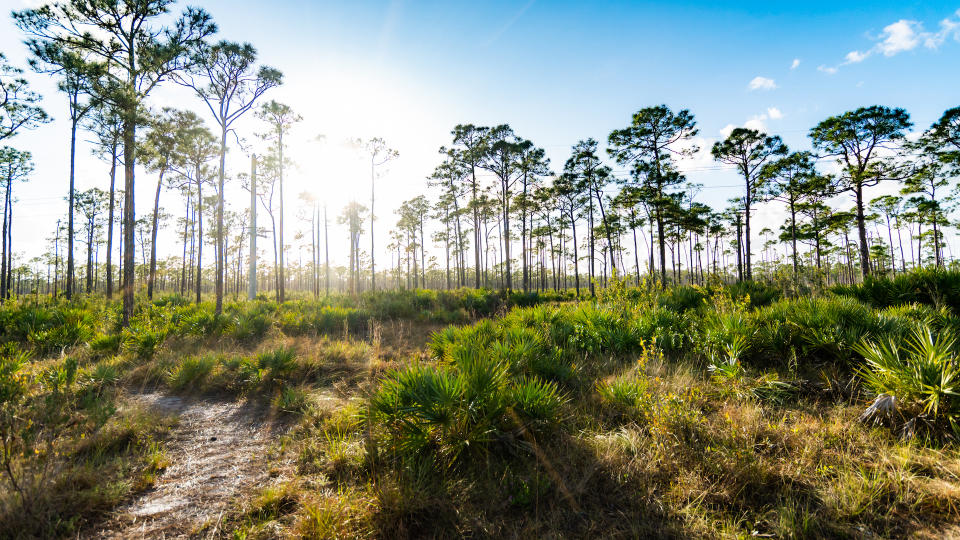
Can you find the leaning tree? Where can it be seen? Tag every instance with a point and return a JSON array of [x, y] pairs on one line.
[[77, 81], [502, 158], [106, 124], [195, 147], [591, 176], [791, 180], [943, 139], [159, 150], [469, 147]]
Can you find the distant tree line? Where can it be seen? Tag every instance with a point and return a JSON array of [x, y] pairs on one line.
[[497, 215]]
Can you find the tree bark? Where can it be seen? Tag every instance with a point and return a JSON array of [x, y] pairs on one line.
[[129, 213], [862, 232], [220, 262], [153, 238], [70, 199]]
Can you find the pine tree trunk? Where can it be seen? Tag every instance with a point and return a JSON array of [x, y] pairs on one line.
[[129, 212]]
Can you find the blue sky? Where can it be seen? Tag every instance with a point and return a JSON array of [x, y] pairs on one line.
[[556, 71]]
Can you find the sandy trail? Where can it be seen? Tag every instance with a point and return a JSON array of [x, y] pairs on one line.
[[216, 453]]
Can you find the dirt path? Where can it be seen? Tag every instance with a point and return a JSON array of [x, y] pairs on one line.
[[216, 452]]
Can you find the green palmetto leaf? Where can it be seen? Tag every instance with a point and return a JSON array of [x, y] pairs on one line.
[[923, 374]]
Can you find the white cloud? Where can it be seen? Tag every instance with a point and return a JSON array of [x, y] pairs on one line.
[[702, 158], [762, 83], [856, 56], [901, 36], [948, 28], [795, 63], [758, 122]]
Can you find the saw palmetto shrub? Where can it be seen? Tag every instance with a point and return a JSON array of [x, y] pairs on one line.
[[916, 381]]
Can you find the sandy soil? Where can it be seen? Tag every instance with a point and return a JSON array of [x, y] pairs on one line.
[[216, 453]]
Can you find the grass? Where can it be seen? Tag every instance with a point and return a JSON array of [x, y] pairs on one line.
[[709, 412]]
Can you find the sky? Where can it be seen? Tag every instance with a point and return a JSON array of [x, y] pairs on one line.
[[557, 72]]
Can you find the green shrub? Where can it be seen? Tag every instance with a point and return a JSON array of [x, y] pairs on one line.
[[104, 374], [535, 401], [251, 325], [13, 381], [817, 330], [451, 412], [670, 331], [930, 286], [192, 372], [59, 378], [107, 343], [279, 362], [143, 341], [917, 382], [291, 400], [759, 293], [683, 298], [628, 395], [300, 318]]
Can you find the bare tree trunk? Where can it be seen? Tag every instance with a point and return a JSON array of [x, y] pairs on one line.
[[7, 221], [199, 212], [252, 277], [221, 246], [153, 238], [129, 213], [281, 281], [373, 269], [326, 247], [576, 258], [862, 231], [70, 201]]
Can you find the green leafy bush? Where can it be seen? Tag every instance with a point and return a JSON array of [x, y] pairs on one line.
[[917, 382], [450, 412], [930, 286], [628, 395], [251, 324], [292, 400], [279, 362], [107, 343], [192, 372]]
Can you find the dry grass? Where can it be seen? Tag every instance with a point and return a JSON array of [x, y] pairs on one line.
[[703, 464], [687, 458]]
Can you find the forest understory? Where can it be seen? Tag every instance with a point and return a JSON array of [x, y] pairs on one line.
[[725, 411]]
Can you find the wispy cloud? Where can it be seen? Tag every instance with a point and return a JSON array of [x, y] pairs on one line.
[[901, 36], [795, 63], [762, 83], [510, 22]]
